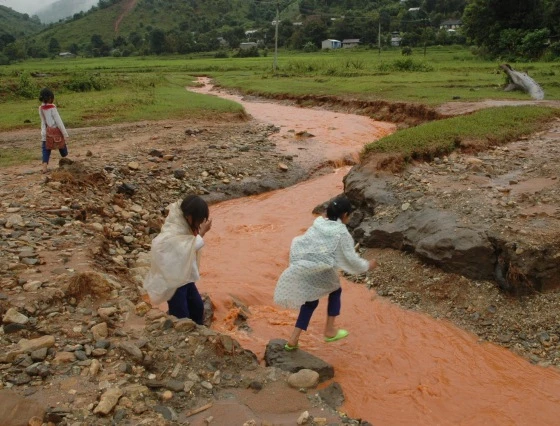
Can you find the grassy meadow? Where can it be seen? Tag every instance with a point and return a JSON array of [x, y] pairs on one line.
[[101, 91]]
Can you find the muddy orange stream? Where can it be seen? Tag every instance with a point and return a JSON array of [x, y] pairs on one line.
[[396, 367], [310, 134]]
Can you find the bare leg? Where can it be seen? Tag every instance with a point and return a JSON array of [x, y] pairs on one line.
[[294, 338], [45, 167], [330, 330]]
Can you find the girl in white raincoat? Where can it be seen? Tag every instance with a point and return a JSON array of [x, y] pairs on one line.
[[175, 258], [315, 258]]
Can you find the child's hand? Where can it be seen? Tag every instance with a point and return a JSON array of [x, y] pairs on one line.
[[205, 227], [372, 264]]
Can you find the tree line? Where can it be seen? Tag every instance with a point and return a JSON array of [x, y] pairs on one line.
[[527, 30]]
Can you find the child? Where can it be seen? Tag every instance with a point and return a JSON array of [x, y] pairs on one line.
[[314, 259], [175, 258], [50, 117]]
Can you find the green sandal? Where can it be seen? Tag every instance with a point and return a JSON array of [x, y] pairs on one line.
[[290, 348], [340, 334]]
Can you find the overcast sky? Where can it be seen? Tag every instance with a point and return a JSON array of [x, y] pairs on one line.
[[26, 6]]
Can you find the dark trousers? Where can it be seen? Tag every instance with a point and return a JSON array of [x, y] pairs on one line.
[[187, 303], [307, 309], [47, 152]]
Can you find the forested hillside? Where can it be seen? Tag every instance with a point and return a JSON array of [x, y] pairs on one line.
[[500, 28], [14, 25]]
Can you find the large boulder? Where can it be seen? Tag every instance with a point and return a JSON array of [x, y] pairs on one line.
[[437, 237]]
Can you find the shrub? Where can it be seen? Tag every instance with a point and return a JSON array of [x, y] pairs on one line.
[[310, 47], [27, 87], [247, 53], [407, 65], [86, 83], [406, 51], [221, 54]]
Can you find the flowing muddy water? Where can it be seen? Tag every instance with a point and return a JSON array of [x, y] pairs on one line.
[[396, 367]]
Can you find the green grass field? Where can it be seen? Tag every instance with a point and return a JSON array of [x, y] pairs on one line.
[[100, 91], [489, 127]]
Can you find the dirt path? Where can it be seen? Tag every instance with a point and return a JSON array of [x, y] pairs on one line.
[[127, 8], [459, 108]]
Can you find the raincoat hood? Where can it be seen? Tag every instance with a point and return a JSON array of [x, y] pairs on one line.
[[327, 227]]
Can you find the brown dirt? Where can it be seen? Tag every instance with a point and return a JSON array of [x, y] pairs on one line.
[[127, 7]]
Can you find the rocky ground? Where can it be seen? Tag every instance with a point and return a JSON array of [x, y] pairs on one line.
[[511, 193], [81, 346], [79, 343]]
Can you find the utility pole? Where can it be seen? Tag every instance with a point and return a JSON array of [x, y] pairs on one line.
[[276, 37], [379, 36]]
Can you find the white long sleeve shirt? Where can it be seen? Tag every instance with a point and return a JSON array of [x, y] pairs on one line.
[[49, 113]]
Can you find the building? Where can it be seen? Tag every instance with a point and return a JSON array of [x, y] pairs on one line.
[[395, 39], [248, 45], [66, 55], [451, 24], [331, 44], [348, 43]]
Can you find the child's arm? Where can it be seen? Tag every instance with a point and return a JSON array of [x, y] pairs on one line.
[[43, 125], [347, 259], [59, 122]]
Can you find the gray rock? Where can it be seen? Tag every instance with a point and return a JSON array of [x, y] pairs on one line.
[[304, 378], [332, 395], [109, 399], [436, 237], [276, 356], [168, 413], [132, 350], [12, 316]]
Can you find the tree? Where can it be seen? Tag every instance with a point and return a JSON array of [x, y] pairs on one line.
[[6, 39], [98, 46], [484, 20], [314, 30], [157, 41], [54, 46]]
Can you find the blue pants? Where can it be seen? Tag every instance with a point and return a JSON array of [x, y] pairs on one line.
[[307, 309], [187, 303], [47, 152]]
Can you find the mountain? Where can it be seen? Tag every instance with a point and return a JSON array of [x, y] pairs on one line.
[[16, 25], [142, 27], [62, 9]]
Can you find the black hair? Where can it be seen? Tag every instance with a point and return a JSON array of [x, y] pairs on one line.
[[46, 95], [196, 207], [339, 206]]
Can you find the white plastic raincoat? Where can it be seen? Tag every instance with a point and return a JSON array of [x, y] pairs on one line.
[[173, 257], [315, 258]]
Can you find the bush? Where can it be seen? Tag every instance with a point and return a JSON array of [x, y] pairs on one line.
[[221, 54], [406, 51], [27, 87], [248, 53], [86, 83], [407, 65], [310, 47]]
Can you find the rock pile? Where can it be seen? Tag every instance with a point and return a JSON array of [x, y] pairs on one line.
[[494, 216]]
